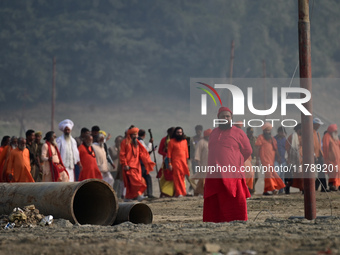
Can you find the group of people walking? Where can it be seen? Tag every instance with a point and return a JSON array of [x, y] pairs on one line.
[[68, 159]]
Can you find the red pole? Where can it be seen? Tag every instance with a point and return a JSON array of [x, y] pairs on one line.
[[306, 121], [53, 93]]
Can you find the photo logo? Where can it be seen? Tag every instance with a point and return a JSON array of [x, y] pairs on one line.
[[238, 107], [204, 97]]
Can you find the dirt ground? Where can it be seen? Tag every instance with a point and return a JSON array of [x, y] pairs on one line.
[[177, 228]]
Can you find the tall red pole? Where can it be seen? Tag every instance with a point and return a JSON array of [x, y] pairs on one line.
[[306, 121], [53, 93]]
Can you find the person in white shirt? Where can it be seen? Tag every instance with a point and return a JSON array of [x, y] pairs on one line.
[[67, 146]]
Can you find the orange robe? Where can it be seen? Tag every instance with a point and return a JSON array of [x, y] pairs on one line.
[[19, 166], [4, 155], [178, 153], [2, 162], [88, 161], [297, 176], [272, 180], [131, 156], [331, 150]]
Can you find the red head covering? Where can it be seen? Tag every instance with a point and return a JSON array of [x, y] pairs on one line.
[[224, 109], [267, 126], [332, 128], [207, 132], [133, 130]]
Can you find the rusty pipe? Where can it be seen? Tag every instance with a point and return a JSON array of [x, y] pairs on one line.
[[134, 212], [91, 201]]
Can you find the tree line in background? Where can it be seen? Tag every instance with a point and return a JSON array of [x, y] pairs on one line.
[[112, 49]]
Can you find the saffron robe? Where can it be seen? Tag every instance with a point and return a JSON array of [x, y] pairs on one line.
[[225, 193], [178, 153], [1, 163], [331, 151], [4, 155], [272, 180], [131, 156], [19, 166], [88, 161]]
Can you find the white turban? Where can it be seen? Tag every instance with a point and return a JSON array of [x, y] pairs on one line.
[[65, 123]]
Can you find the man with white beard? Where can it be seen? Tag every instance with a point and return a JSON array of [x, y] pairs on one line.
[[331, 152], [102, 162], [67, 146]]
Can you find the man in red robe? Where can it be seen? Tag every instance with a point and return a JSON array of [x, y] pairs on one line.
[[267, 149], [88, 160], [178, 156], [225, 193], [131, 153], [4, 155], [18, 166]]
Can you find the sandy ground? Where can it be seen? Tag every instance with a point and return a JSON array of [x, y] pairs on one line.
[[177, 228]]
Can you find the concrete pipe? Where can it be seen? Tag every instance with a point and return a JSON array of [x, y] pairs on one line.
[[133, 212], [91, 201]]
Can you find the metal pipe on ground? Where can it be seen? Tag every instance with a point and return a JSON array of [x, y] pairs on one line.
[[133, 212], [91, 201]]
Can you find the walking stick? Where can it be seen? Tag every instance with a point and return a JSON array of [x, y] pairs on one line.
[[154, 156]]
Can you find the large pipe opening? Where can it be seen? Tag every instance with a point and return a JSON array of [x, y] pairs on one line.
[[94, 203]]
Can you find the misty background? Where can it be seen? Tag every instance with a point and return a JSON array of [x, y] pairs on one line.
[[123, 62]]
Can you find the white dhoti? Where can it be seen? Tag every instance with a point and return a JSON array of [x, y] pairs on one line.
[[70, 174]]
